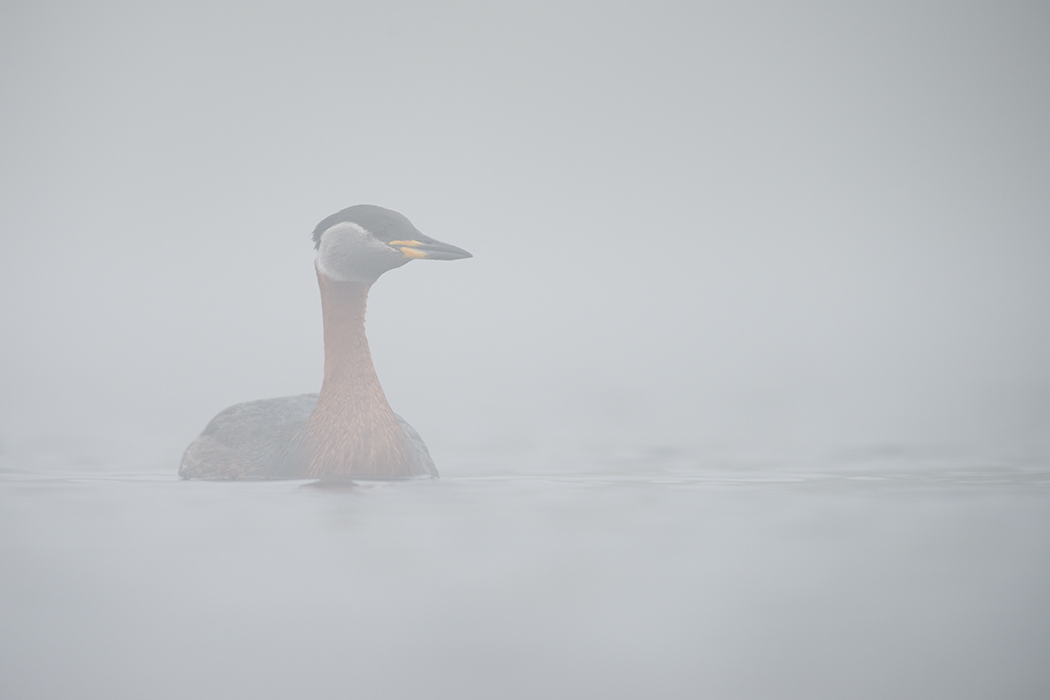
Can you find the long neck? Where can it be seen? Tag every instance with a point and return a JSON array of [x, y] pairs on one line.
[[348, 368], [353, 431]]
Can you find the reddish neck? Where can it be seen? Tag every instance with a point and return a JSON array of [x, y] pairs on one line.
[[353, 431], [348, 367]]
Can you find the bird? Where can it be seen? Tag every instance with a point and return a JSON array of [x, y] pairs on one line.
[[346, 431]]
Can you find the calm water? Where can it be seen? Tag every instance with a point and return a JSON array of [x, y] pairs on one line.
[[872, 574]]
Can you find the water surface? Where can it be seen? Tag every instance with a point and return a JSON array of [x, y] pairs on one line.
[[872, 574]]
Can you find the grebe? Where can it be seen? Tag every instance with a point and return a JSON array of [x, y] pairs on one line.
[[348, 431]]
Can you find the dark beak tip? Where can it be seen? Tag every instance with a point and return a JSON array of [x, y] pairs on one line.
[[449, 252], [436, 250]]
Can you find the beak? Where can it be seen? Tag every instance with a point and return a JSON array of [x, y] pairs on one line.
[[426, 248]]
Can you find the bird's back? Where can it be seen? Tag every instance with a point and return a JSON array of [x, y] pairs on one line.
[[247, 440], [254, 440]]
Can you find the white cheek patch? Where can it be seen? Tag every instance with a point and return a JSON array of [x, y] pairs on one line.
[[335, 254], [349, 253]]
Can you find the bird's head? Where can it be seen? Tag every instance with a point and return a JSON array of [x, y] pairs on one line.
[[360, 243]]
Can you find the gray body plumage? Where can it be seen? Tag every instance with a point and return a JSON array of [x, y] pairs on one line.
[[253, 440]]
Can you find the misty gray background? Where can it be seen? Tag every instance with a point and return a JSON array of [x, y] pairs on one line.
[[693, 224], [745, 393]]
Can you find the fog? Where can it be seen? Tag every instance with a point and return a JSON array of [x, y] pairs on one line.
[[745, 243]]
